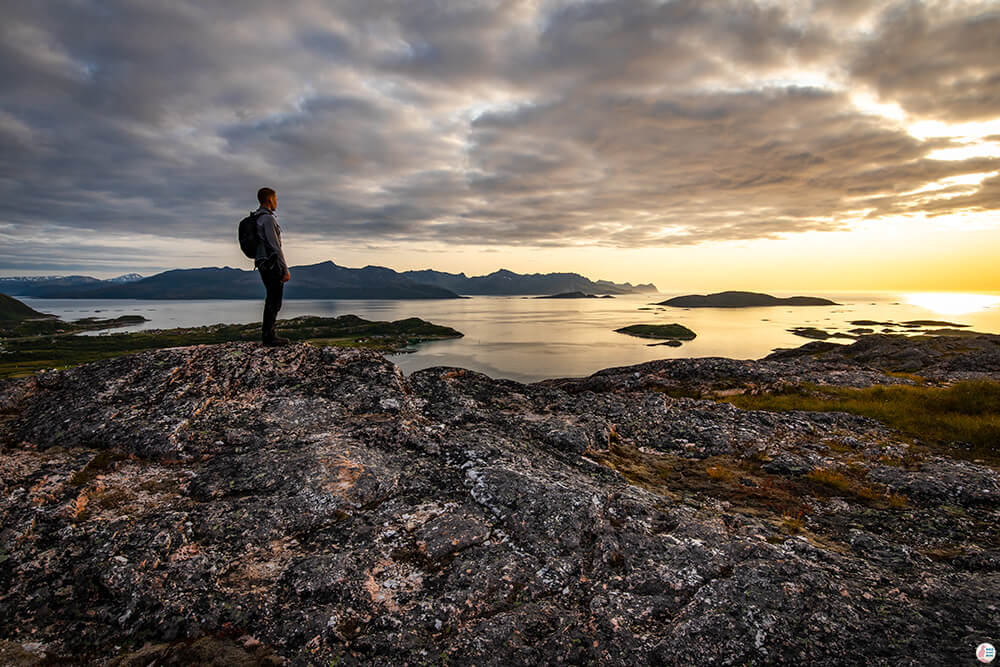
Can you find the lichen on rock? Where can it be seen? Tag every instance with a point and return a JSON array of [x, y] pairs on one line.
[[316, 506]]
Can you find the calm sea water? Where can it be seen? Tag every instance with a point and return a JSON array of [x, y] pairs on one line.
[[529, 339]]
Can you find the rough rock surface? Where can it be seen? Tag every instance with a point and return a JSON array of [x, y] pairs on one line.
[[313, 506], [945, 357]]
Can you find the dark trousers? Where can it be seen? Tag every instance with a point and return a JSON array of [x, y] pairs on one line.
[[271, 278]]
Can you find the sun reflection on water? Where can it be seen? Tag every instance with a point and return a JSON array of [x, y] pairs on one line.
[[953, 303]]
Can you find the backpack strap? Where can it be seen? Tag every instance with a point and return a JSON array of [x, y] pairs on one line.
[[256, 216], [261, 238]]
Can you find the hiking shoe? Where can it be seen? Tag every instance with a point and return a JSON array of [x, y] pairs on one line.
[[276, 341]]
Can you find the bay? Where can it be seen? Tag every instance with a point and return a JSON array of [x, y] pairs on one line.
[[529, 339]]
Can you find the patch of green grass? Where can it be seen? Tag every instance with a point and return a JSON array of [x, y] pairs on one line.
[[966, 412], [913, 377], [838, 483]]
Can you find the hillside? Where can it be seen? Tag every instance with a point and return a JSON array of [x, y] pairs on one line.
[[314, 506], [12, 310]]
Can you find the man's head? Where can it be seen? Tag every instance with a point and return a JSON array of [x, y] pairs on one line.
[[268, 198]]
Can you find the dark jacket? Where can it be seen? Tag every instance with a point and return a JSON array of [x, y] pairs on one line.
[[269, 246]]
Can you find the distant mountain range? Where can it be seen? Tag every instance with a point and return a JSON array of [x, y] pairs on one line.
[[325, 280], [508, 282]]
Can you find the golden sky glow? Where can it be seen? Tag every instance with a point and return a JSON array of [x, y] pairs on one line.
[[953, 303]]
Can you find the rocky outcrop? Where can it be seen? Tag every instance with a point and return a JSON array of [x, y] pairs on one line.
[[972, 355], [313, 506]]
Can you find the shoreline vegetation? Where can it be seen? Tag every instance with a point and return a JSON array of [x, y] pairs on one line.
[[54, 346]]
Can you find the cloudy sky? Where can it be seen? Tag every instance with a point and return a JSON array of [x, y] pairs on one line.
[[849, 144]]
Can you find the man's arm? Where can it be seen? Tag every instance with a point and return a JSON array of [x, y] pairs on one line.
[[273, 241]]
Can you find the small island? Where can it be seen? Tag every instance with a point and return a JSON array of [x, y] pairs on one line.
[[573, 295], [817, 334], [734, 299], [671, 332], [911, 324]]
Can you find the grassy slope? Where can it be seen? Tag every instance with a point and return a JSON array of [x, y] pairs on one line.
[[12, 310], [966, 412]]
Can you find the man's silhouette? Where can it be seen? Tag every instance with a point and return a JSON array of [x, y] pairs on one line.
[[270, 261]]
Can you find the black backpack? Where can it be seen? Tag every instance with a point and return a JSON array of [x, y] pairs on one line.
[[248, 234]]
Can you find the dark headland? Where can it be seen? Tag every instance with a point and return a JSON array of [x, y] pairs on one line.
[[12, 310], [312, 505], [735, 299]]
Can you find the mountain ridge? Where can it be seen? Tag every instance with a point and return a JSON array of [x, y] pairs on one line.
[[322, 280]]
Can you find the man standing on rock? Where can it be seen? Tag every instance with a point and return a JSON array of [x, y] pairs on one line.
[[270, 261]]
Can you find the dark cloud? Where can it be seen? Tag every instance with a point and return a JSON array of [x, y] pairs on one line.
[[543, 123], [936, 60]]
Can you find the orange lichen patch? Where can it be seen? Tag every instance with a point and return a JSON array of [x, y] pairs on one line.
[[132, 488], [79, 506], [420, 515], [377, 594], [46, 489], [185, 552], [258, 568], [342, 474], [387, 579], [207, 402], [17, 464]]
